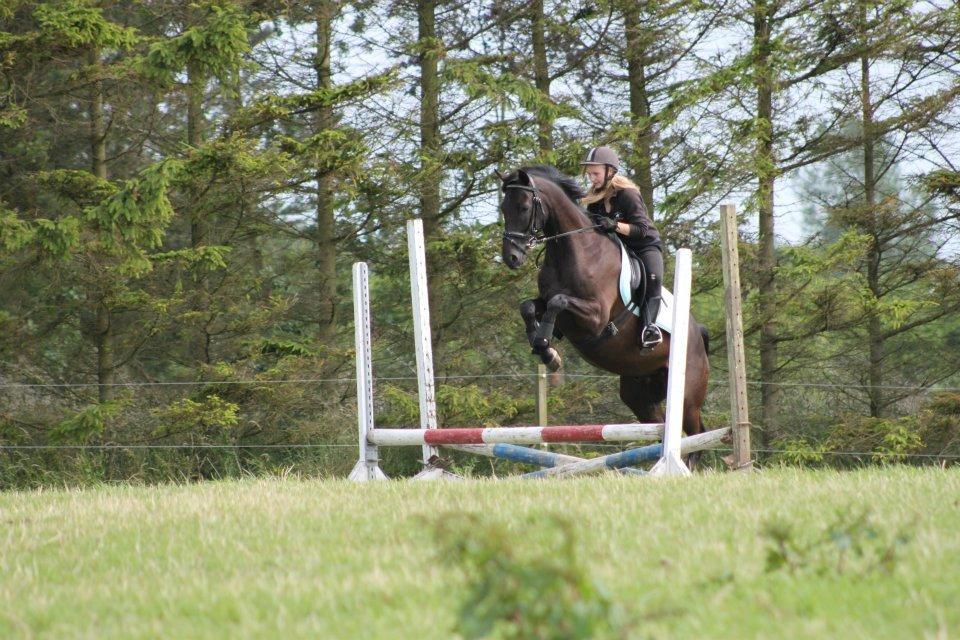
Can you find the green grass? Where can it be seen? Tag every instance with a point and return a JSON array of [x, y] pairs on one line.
[[328, 559]]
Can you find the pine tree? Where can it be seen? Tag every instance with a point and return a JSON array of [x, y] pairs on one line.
[[793, 46], [904, 48]]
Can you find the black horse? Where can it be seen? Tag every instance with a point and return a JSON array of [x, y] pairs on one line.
[[579, 296]]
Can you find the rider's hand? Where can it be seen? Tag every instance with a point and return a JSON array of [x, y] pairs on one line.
[[607, 225]]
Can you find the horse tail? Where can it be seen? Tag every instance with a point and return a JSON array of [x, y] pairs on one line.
[[705, 336]]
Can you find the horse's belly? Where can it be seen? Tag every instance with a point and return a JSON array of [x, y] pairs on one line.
[[620, 355]]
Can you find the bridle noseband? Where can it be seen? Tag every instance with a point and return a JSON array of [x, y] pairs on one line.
[[533, 234]]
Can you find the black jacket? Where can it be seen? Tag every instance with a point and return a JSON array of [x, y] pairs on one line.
[[627, 206]]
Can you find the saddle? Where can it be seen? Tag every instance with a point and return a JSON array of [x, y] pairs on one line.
[[632, 294], [633, 289], [638, 278]]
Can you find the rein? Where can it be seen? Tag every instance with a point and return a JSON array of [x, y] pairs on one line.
[[533, 235]]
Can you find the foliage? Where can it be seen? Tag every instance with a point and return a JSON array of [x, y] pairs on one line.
[[214, 45], [853, 543], [799, 452], [460, 405], [87, 423], [211, 416], [931, 432], [517, 593], [77, 24]]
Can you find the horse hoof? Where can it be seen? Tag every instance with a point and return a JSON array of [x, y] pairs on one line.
[[553, 360]]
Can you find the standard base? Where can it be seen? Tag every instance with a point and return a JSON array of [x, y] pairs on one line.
[[631, 471], [670, 465], [365, 471], [436, 473]]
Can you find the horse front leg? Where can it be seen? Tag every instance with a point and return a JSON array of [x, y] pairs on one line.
[[586, 314], [531, 311]]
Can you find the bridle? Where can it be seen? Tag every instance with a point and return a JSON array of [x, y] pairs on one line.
[[533, 234]]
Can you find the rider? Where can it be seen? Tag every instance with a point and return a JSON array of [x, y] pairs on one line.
[[616, 206]]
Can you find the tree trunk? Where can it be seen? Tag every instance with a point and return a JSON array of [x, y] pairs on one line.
[[641, 159], [431, 154], [430, 174], [325, 12], [766, 175], [541, 72], [199, 229], [98, 142], [196, 83], [874, 328], [103, 337]]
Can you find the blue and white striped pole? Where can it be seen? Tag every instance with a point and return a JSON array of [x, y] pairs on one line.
[[528, 455], [631, 457]]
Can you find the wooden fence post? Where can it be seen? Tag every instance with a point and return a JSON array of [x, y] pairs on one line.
[[542, 395], [739, 417]]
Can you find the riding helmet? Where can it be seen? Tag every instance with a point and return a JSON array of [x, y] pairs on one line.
[[602, 155]]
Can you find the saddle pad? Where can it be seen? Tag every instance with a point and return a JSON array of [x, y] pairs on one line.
[[665, 315]]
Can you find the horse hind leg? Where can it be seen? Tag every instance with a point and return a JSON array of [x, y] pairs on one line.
[[692, 425], [695, 388], [644, 396]]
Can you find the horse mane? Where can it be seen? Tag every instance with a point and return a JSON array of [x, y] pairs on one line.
[[570, 187]]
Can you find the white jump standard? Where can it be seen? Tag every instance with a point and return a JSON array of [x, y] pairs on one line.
[[368, 466], [503, 441]]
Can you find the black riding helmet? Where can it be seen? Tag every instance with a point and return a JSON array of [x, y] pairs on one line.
[[605, 156]]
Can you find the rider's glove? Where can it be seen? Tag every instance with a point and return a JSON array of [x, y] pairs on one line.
[[606, 224]]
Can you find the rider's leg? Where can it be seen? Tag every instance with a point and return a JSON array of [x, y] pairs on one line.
[[650, 335]]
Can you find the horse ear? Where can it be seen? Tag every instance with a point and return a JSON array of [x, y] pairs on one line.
[[502, 176], [524, 178]]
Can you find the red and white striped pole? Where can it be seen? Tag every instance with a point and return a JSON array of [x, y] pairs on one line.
[[517, 435]]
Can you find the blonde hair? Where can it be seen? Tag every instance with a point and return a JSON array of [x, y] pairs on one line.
[[618, 181]]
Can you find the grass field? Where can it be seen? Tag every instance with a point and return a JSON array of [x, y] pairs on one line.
[[327, 559]]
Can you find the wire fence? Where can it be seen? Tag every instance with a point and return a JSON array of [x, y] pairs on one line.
[[808, 406], [597, 445], [445, 378]]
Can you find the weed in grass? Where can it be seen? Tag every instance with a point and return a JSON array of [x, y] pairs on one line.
[[851, 544], [515, 592]]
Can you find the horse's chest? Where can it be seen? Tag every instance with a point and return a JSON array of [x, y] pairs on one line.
[[551, 282]]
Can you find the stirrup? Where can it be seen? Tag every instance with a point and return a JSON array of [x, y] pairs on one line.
[[651, 336]]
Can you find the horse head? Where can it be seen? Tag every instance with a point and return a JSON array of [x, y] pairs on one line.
[[523, 216]]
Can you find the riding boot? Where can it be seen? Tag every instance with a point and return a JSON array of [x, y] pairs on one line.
[[650, 334]]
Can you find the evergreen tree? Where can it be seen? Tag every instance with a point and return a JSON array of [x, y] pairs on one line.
[[795, 48], [908, 237]]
